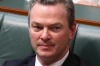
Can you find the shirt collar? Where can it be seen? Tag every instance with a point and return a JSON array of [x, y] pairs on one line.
[[58, 63]]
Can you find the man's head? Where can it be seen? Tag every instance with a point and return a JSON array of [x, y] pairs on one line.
[[51, 26], [69, 6]]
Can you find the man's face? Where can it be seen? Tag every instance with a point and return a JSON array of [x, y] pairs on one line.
[[49, 31]]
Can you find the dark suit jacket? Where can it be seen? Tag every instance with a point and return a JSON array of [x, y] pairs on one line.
[[72, 60]]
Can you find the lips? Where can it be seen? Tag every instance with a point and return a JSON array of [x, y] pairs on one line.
[[46, 46]]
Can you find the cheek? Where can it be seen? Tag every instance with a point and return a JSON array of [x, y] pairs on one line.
[[61, 38], [33, 37], [61, 41]]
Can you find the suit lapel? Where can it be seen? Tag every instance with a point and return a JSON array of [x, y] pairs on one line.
[[72, 60], [32, 62]]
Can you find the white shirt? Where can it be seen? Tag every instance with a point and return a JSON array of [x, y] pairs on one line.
[[58, 63]]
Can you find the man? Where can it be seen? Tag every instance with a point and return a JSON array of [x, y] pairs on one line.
[[51, 27]]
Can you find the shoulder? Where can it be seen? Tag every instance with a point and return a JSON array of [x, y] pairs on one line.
[[20, 62], [80, 61], [84, 63], [74, 60]]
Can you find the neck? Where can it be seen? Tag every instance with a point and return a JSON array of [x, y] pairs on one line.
[[50, 60]]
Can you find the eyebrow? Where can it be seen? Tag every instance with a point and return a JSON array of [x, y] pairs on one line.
[[34, 22], [57, 23]]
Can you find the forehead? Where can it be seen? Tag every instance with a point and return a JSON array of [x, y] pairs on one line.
[[54, 9], [48, 14]]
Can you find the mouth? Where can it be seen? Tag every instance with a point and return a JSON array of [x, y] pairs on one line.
[[46, 46]]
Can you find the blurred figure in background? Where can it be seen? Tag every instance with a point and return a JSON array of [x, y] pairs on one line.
[[88, 2]]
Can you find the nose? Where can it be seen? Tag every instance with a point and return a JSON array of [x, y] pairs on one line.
[[45, 36]]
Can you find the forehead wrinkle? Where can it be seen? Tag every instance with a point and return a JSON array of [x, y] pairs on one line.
[[38, 8]]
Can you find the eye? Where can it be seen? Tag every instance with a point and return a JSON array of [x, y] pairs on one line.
[[37, 28], [55, 28]]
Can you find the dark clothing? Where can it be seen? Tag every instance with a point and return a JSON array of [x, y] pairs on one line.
[[72, 60]]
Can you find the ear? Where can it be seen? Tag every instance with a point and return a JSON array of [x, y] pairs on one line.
[[72, 31]]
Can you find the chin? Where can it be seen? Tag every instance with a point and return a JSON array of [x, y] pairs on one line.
[[46, 54]]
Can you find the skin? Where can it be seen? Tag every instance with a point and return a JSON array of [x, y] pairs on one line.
[[49, 32]]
